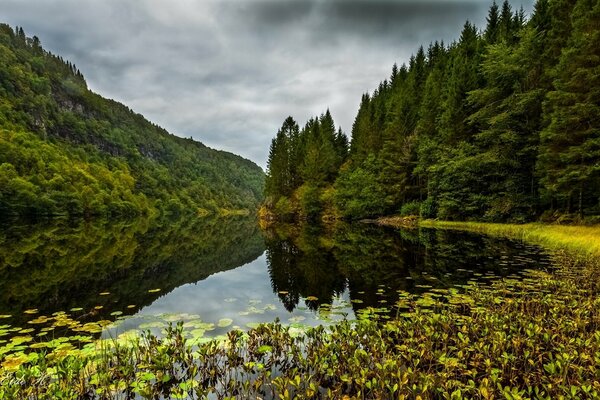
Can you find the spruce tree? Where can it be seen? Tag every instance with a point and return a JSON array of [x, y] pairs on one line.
[[570, 155]]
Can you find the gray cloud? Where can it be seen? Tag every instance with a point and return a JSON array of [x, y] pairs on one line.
[[228, 72]]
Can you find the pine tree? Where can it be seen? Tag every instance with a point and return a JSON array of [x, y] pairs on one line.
[[570, 156], [493, 21]]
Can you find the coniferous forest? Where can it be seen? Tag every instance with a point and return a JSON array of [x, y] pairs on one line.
[[501, 125], [65, 150]]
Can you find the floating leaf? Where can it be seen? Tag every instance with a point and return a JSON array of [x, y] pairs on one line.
[[116, 313], [154, 290], [224, 322], [197, 333], [155, 324], [3, 316], [312, 298], [14, 361], [39, 320], [76, 309], [104, 293], [31, 311], [131, 306]]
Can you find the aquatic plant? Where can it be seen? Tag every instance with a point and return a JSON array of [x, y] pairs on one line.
[[533, 338]]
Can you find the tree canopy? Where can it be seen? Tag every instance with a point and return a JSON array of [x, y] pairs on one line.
[[501, 125]]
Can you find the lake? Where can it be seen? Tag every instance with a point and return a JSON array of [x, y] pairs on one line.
[[78, 280]]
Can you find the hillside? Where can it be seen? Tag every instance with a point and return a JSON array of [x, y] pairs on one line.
[[65, 150]]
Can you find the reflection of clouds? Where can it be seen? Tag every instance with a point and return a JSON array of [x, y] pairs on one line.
[[212, 297], [229, 72]]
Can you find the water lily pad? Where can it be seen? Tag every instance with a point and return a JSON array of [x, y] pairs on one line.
[[230, 300], [116, 313], [197, 333], [155, 324], [224, 322], [312, 298], [74, 309], [252, 325], [104, 293], [14, 361], [3, 316], [131, 306], [154, 290], [39, 320], [31, 311]]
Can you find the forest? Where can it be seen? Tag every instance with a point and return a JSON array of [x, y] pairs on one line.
[[65, 150], [501, 125]]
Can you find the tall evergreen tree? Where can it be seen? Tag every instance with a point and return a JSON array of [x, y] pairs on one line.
[[492, 30], [570, 156]]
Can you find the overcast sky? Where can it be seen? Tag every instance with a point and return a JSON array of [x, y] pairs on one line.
[[229, 72]]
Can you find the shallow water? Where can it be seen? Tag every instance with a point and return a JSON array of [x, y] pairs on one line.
[[57, 278]]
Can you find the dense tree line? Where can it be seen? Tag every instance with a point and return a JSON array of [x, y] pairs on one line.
[[66, 150], [303, 165], [501, 125]]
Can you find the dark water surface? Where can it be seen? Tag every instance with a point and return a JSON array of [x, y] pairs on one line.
[[215, 274]]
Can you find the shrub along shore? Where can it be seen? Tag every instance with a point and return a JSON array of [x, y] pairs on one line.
[[533, 338]]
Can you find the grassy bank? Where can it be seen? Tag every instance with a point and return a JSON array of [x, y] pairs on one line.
[[578, 240]]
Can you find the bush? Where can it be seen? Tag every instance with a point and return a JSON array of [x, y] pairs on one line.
[[410, 208], [428, 208], [284, 209]]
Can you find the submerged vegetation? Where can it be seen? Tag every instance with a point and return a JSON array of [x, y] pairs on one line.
[[500, 125]]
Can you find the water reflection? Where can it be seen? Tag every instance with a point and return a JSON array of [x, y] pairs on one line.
[[215, 273], [374, 263], [62, 265]]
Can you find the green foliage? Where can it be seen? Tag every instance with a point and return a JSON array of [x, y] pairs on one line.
[[65, 150], [501, 125], [358, 194], [411, 208], [301, 163], [428, 208], [570, 149], [284, 208]]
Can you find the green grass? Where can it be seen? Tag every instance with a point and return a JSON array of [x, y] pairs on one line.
[[578, 240]]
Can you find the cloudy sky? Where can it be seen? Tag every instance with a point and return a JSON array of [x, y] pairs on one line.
[[228, 72]]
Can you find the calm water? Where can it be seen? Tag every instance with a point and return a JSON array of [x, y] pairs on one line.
[[216, 274]]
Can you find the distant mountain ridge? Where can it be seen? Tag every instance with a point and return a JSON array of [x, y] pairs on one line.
[[65, 150]]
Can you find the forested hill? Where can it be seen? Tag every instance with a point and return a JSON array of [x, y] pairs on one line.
[[501, 125], [66, 150]]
